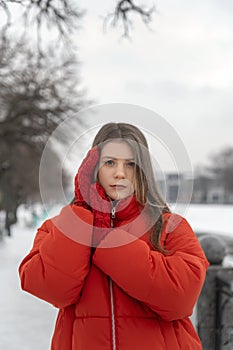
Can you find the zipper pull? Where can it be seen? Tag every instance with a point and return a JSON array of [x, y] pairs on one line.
[[113, 212]]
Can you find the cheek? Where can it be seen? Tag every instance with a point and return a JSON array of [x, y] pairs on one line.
[[101, 176], [132, 178]]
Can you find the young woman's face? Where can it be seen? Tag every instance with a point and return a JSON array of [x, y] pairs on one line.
[[116, 170]]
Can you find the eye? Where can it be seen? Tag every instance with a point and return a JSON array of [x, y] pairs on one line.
[[109, 162], [130, 164]]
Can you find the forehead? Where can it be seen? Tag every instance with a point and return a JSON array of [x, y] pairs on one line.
[[117, 149]]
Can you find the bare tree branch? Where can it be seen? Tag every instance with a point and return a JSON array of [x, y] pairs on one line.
[[61, 15], [122, 12]]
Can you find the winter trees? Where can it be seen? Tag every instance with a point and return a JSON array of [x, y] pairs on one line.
[[214, 182], [222, 167], [36, 94], [64, 15]]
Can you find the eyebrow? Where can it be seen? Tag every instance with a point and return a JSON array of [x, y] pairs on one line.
[[114, 158]]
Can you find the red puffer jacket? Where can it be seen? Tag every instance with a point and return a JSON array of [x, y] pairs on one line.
[[127, 297]]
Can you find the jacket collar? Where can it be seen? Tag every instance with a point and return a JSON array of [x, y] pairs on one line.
[[127, 209]]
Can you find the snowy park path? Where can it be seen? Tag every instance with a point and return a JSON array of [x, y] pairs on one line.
[[26, 322]]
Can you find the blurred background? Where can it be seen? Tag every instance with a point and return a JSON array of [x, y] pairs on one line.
[[60, 58]]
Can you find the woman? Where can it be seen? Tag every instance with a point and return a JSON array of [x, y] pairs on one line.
[[127, 273]]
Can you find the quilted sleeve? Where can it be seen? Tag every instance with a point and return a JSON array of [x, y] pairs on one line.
[[168, 284], [56, 267]]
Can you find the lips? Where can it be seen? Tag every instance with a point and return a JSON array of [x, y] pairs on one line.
[[119, 187]]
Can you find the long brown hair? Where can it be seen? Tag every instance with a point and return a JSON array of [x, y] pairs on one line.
[[146, 190]]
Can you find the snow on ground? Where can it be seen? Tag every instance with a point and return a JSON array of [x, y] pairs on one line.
[[211, 218], [26, 322]]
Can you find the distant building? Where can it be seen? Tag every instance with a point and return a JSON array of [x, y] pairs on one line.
[[184, 188], [176, 187]]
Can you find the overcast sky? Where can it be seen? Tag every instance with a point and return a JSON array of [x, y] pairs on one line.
[[182, 68]]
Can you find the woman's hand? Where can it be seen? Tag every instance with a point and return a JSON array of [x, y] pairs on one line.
[[85, 177], [90, 195]]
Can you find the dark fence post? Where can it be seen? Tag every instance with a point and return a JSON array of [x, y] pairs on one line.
[[215, 306], [224, 307]]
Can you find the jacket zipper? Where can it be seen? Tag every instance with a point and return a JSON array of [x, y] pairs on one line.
[[112, 315], [113, 214]]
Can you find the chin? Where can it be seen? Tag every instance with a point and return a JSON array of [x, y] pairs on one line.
[[122, 196], [119, 195], [116, 196]]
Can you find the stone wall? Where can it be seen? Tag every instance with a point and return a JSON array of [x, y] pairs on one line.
[[215, 304]]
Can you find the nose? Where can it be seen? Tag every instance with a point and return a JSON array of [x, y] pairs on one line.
[[120, 171]]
